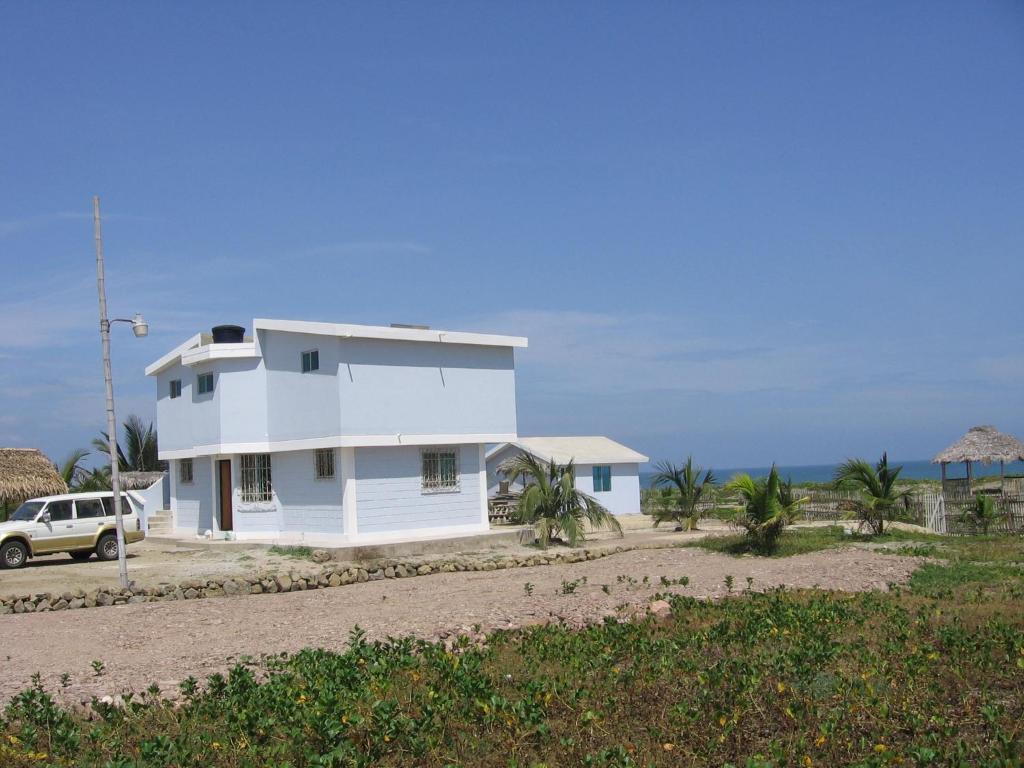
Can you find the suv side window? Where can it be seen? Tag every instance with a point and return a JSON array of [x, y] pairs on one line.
[[108, 505], [59, 510], [89, 508]]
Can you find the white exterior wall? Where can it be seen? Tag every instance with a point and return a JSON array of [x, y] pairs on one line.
[[152, 500], [372, 391], [192, 503], [390, 499], [301, 503], [624, 497]]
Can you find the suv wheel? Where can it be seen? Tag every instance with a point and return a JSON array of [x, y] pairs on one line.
[[13, 554], [106, 547]]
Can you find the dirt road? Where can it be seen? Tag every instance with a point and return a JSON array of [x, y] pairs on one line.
[[167, 642]]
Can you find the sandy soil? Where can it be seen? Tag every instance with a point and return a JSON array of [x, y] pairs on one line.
[[167, 642], [164, 561]]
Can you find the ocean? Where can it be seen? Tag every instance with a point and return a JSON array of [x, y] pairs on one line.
[[822, 473]]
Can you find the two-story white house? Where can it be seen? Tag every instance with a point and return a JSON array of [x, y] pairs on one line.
[[355, 433]]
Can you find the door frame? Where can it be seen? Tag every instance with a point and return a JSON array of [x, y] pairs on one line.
[[225, 503]]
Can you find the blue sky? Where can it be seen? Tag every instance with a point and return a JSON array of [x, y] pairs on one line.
[[748, 231]]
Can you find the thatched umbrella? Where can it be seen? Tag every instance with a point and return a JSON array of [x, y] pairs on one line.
[[26, 472], [985, 445]]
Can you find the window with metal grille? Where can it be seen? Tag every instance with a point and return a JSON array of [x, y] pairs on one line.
[[324, 460], [311, 361], [440, 470], [255, 477], [204, 383], [185, 471], [175, 388]]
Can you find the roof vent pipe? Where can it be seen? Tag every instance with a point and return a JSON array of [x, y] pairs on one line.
[[228, 334]]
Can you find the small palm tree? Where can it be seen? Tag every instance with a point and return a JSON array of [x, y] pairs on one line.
[[551, 502], [981, 513], [877, 486], [691, 487], [768, 509], [137, 452]]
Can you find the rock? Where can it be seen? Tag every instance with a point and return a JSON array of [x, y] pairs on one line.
[[135, 599], [401, 571], [362, 575], [104, 598], [424, 570], [284, 583], [389, 572], [76, 602], [334, 580], [376, 575], [256, 589], [191, 593], [61, 604], [320, 556], [232, 587], [660, 608], [42, 606]]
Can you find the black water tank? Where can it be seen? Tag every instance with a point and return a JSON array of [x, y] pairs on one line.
[[228, 334]]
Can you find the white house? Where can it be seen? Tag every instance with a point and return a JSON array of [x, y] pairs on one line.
[[605, 469], [355, 433]]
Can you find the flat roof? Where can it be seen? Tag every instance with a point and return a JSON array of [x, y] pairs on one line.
[[342, 331]]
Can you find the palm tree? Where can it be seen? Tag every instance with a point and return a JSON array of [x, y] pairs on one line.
[[691, 487], [138, 451], [877, 486], [981, 513], [551, 502], [768, 509], [71, 469]]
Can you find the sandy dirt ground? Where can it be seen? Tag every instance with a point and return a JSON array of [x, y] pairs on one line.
[[167, 642], [155, 562]]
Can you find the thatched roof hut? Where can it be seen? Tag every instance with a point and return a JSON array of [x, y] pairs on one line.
[[139, 481], [984, 445], [25, 473]]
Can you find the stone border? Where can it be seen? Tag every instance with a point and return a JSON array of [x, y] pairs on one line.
[[330, 575]]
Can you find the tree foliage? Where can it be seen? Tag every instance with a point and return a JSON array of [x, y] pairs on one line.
[[879, 497], [137, 451], [768, 507], [681, 508], [551, 502]]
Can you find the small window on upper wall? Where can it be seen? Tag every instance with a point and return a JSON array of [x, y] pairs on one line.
[[602, 479], [175, 388], [204, 383], [311, 361], [324, 460], [185, 471]]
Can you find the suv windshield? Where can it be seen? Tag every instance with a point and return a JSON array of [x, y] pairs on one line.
[[27, 512]]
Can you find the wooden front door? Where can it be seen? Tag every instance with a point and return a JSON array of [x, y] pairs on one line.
[[224, 486]]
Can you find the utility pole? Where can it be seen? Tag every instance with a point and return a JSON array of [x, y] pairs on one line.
[[115, 477]]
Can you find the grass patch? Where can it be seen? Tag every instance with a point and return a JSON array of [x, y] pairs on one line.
[[800, 541], [774, 679], [297, 552]]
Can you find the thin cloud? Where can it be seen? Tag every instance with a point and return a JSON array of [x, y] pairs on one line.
[[369, 248]]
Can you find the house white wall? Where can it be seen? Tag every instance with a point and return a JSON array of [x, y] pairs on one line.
[[192, 503], [301, 503], [364, 387], [622, 499], [390, 498], [624, 496]]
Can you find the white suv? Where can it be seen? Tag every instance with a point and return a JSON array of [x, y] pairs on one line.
[[77, 523]]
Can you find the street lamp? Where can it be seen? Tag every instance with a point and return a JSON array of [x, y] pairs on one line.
[[141, 329]]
